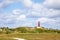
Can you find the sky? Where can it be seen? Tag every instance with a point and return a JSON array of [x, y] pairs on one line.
[[15, 13]]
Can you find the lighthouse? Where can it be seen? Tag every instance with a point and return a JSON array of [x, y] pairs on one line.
[[38, 23]]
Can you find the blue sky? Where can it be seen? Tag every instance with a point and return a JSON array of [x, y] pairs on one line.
[[15, 13]]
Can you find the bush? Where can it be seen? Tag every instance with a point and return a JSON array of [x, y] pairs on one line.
[[22, 29]]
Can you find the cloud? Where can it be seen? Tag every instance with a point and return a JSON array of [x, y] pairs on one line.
[[5, 3], [54, 4], [27, 3], [47, 20], [45, 11], [21, 17], [19, 14], [41, 11], [17, 11]]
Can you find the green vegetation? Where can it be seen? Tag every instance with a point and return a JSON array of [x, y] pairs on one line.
[[31, 36], [29, 33], [6, 30]]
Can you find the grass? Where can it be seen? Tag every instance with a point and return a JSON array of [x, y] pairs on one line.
[[31, 36]]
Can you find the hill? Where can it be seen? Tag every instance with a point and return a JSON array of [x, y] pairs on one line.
[[29, 33], [6, 30]]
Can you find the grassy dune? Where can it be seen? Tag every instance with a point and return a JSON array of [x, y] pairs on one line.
[[31, 36]]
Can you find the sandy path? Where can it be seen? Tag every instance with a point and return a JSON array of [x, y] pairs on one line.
[[19, 39]]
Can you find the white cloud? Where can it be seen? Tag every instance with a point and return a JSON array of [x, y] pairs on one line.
[[21, 17], [27, 3], [26, 24], [34, 10], [52, 4], [37, 6], [47, 20], [5, 3], [17, 11], [40, 10]]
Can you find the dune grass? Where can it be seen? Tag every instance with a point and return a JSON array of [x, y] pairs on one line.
[[31, 36]]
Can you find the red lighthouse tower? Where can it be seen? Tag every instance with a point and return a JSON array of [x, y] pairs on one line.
[[38, 24]]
